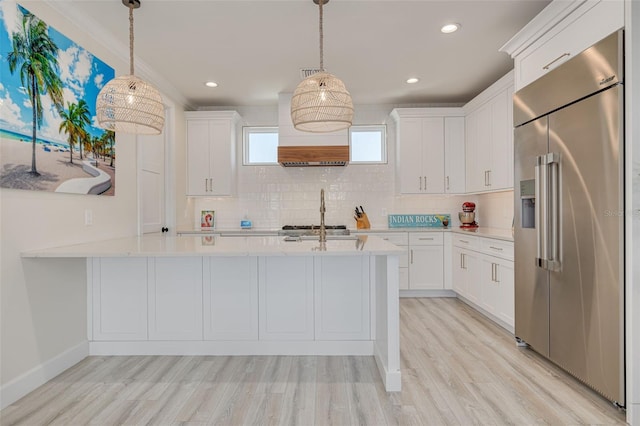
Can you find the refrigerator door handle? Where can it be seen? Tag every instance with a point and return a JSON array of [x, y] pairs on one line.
[[540, 212], [554, 258]]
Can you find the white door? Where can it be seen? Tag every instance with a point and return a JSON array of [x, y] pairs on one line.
[[151, 175]]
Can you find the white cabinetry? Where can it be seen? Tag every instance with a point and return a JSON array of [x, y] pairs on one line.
[[426, 261], [400, 239], [175, 298], [119, 292], [489, 138], [420, 148], [230, 298], [342, 298], [454, 165], [483, 274], [211, 149], [558, 33], [286, 298]]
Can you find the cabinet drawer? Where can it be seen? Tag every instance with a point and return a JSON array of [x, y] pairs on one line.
[[426, 239], [466, 241], [582, 29], [499, 248], [397, 238]]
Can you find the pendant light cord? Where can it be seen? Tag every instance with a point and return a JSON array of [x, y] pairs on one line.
[[321, 39], [131, 37]]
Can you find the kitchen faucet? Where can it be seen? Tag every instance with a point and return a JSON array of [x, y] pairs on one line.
[[323, 209]]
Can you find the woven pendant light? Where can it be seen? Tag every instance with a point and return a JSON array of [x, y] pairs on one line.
[[128, 104], [321, 103]]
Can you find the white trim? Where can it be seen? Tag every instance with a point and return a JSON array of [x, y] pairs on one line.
[[41, 374], [427, 293], [541, 24], [262, 347], [490, 316], [489, 93], [392, 379]]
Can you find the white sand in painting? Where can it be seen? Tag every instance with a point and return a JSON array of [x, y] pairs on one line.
[[54, 167]]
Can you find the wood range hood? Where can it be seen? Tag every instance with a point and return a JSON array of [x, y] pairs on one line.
[[309, 156]]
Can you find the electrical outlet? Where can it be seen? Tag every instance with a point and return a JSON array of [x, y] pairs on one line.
[[88, 217], [384, 212]]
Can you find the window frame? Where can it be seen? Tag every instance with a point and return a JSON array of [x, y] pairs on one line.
[[383, 143], [247, 131]]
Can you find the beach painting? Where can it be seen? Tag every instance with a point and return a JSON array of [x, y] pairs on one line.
[[49, 137]]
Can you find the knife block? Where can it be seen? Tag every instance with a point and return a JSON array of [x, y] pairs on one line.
[[363, 222]]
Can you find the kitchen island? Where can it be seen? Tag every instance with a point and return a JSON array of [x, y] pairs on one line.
[[216, 295]]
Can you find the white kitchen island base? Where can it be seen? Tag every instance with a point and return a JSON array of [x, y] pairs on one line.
[[157, 295]]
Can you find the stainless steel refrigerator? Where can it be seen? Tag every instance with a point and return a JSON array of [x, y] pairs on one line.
[[569, 220]]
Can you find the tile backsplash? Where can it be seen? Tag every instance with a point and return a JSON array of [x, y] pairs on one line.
[[272, 196]]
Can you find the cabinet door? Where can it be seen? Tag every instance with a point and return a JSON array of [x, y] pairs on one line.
[[478, 146], [454, 155], [198, 147], [501, 142], [175, 298], [286, 297], [433, 155], [221, 158], [231, 298], [459, 275], [426, 268], [489, 287], [473, 283], [504, 275], [342, 298], [119, 298], [410, 156]]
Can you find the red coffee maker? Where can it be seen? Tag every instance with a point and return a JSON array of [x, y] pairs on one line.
[[468, 215]]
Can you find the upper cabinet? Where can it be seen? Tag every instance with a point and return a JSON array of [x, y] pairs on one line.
[[489, 138], [211, 149], [421, 134], [562, 30]]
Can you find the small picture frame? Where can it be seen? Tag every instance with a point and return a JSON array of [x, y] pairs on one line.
[[207, 219]]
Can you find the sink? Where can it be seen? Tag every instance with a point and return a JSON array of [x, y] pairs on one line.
[[316, 238]]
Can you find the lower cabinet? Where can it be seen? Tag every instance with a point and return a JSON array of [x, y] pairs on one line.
[[286, 298], [175, 298], [483, 274], [426, 261], [230, 298], [342, 298], [119, 295]]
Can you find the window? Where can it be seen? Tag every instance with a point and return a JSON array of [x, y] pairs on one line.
[[260, 145], [368, 144]]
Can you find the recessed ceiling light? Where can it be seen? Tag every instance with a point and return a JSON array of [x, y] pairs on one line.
[[412, 80], [211, 84], [450, 28]]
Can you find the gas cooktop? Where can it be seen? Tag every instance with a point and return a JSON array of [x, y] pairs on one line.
[[295, 230]]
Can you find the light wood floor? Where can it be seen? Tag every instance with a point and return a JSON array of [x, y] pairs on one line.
[[457, 368]]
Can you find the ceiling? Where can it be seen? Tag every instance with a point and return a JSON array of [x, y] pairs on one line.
[[255, 49]]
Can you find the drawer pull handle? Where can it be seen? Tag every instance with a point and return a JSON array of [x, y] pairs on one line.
[[464, 241], [546, 67], [425, 239], [495, 248]]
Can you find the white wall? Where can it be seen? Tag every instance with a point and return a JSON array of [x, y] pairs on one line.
[[272, 196], [43, 302]]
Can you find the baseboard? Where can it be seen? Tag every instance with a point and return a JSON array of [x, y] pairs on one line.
[[490, 316], [633, 413], [392, 379], [41, 374], [260, 347], [427, 293]]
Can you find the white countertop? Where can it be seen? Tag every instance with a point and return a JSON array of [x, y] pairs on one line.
[[158, 245], [497, 233]]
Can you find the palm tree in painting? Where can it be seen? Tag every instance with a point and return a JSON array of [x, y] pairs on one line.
[[34, 55], [83, 118], [69, 126], [109, 138]]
